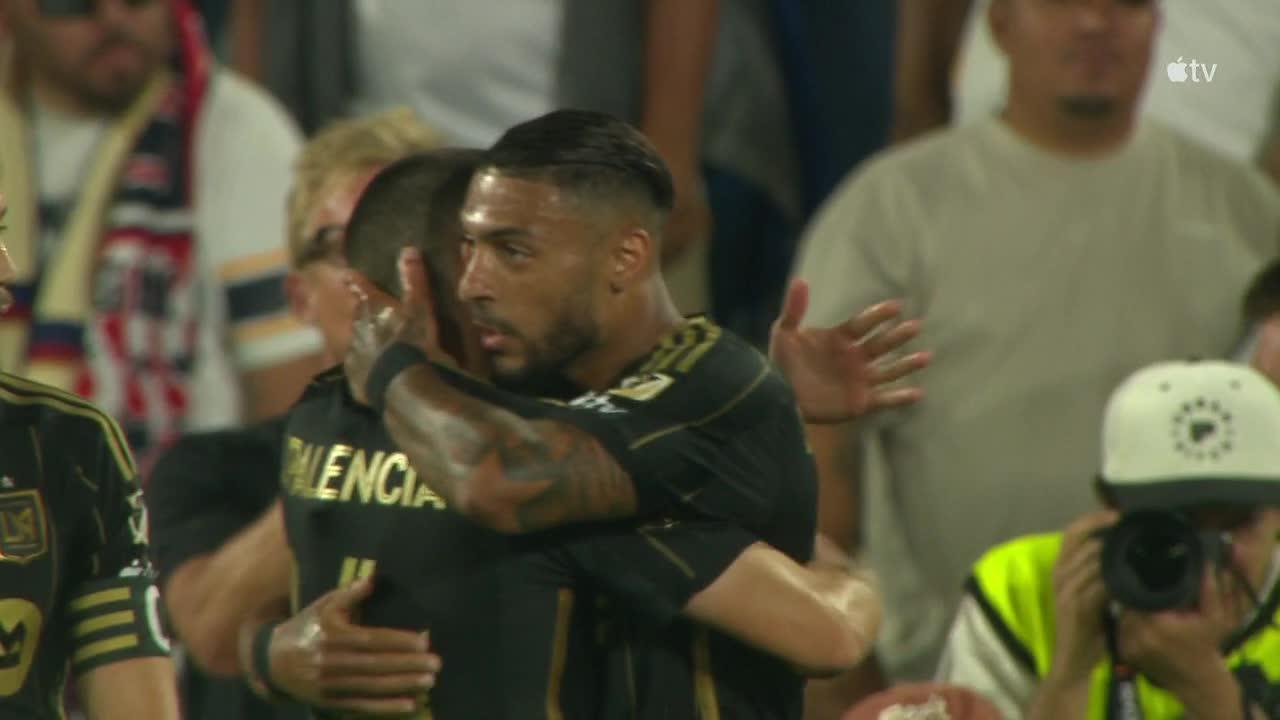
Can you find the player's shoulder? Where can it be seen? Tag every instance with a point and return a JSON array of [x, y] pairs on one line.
[[711, 370], [79, 425]]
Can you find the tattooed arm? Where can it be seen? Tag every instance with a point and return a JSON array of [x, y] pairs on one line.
[[503, 471]]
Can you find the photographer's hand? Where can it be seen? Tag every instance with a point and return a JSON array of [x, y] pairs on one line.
[[1079, 599], [1179, 649], [1080, 596]]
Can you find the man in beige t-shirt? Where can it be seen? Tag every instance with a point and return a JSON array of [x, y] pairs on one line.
[[1050, 252]]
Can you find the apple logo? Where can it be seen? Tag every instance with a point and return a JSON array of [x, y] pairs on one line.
[[1177, 70]]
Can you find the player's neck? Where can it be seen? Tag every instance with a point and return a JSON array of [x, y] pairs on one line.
[[647, 318]]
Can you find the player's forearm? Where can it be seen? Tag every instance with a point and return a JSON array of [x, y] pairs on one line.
[[130, 689], [209, 597], [503, 471], [821, 620], [838, 455]]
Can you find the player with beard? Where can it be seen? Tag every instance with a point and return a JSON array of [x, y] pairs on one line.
[[667, 422], [491, 602]]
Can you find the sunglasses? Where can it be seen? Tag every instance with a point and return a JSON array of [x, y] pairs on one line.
[[79, 8], [324, 244]]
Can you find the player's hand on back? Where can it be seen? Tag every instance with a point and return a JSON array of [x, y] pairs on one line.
[[322, 658], [846, 371], [413, 322]]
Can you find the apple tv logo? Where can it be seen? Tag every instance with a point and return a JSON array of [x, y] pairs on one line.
[[1177, 71]]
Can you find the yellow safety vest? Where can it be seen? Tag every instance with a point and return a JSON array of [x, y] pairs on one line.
[[1014, 585]]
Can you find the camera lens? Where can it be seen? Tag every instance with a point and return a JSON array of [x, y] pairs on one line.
[[1152, 561], [1159, 558]]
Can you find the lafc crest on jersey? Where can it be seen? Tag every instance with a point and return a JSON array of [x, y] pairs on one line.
[[24, 532]]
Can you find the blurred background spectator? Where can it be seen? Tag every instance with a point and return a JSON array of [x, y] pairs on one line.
[[137, 168], [1050, 251], [951, 71]]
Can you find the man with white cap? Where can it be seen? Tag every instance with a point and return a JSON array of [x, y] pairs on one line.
[[1165, 604]]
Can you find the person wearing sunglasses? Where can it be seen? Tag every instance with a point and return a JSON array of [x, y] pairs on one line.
[[137, 167]]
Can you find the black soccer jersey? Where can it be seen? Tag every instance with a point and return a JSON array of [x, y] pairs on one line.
[[512, 632], [708, 431], [76, 587]]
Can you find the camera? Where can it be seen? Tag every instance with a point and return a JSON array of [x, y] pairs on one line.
[[1154, 560]]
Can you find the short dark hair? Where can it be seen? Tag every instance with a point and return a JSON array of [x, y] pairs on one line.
[[1262, 299], [585, 152], [415, 201]]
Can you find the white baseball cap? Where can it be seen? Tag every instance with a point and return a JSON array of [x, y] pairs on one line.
[[1192, 433]]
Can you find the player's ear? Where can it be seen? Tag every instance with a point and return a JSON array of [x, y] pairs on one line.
[[631, 257]]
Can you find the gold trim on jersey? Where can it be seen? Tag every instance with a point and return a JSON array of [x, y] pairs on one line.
[[101, 597], [559, 653], [102, 622], [704, 681], [102, 647], [683, 347], [759, 378], [668, 553], [72, 405]]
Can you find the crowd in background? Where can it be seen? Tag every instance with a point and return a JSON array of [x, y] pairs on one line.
[[916, 150]]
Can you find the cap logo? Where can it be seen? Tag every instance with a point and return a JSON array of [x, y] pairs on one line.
[[1202, 430]]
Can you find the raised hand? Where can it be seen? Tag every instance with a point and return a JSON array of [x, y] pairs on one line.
[[844, 372], [412, 320]]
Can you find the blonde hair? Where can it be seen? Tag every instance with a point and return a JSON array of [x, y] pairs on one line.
[[347, 148]]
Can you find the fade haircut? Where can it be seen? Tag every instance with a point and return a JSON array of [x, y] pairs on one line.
[[590, 154], [416, 202], [345, 149]]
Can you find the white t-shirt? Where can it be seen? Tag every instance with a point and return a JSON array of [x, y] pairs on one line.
[[470, 69], [1234, 112], [1042, 281], [245, 146]]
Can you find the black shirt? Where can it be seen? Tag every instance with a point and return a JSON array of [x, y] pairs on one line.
[[202, 492], [513, 639], [710, 434], [76, 586]]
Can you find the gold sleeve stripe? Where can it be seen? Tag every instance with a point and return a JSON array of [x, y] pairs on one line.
[[101, 622], [559, 652], [71, 405], [668, 553], [102, 597], [704, 680], [102, 647], [686, 364], [760, 376]]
